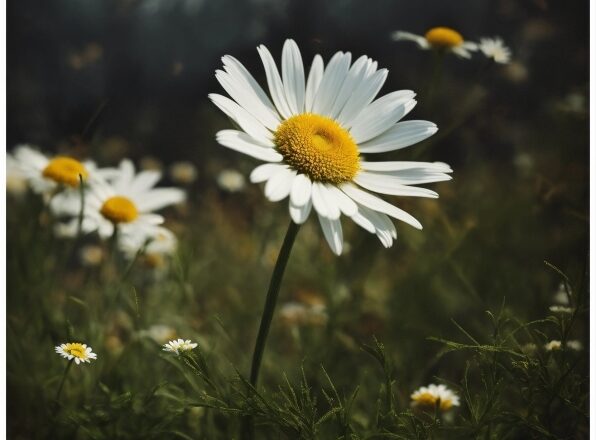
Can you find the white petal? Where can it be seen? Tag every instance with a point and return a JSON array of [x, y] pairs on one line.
[[279, 185], [276, 87], [125, 176], [301, 190], [292, 71], [408, 36], [362, 96], [415, 176], [248, 97], [382, 114], [30, 157], [240, 141], [388, 185], [299, 214], [159, 198], [333, 234], [377, 204], [353, 79], [324, 202], [333, 78], [346, 204], [244, 119], [439, 167], [264, 172], [314, 79], [401, 135], [144, 181]]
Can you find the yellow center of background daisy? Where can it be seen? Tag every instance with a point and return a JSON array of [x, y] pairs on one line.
[[430, 400], [77, 350], [444, 37], [318, 147], [119, 209], [65, 170]]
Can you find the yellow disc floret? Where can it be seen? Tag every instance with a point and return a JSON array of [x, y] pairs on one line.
[[76, 349], [443, 38], [65, 170], [318, 147], [429, 400], [119, 209]]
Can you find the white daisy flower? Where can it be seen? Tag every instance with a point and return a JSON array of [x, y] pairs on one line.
[[563, 310], [495, 49], [313, 132], [553, 345], [48, 174], [179, 346], [439, 38], [429, 396], [157, 241], [77, 351], [126, 201], [231, 181], [16, 181]]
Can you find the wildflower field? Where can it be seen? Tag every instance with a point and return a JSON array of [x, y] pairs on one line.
[[279, 219]]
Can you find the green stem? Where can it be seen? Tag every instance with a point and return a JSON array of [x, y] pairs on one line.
[[272, 294], [274, 285], [82, 210], [63, 379]]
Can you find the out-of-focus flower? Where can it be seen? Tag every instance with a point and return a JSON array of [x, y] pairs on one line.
[[126, 201], [573, 102], [179, 346], [150, 163], [47, 174], [575, 345], [160, 333], [157, 240], [553, 345], [563, 310], [76, 351], [524, 162], [439, 38], [297, 314], [561, 296], [231, 181], [91, 255], [428, 397], [183, 173], [495, 49], [516, 72], [314, 132], [16, 181], [529, 348]]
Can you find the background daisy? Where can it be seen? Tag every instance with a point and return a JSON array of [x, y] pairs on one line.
[[439, 38]]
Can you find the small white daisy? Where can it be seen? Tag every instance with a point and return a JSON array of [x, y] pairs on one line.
[[125, 201], [48, 174], [157, 241], [553, 345], [439, 38], [563, 310], [428, 397], [574, 344], [76, 351], [495, 49], [231, 181], [312, 133], [179, 346]]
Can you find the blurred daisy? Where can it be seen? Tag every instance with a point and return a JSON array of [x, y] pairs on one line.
[[313, 132], [553, 345], [294, 314], [563, 310], [156, 240], [91, 255], [179, 346], [16, 181], [495, 49], [231, 181], [159, 333], [430, 396], [76, 351], [126, 201], [47, 174], [441, 39], [575, 345], [183, 173]]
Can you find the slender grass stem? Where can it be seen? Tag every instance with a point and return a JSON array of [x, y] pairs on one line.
[[266, 318], [61, 386], [82, 210]]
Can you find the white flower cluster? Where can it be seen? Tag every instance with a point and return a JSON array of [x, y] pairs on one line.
[[112, 200]]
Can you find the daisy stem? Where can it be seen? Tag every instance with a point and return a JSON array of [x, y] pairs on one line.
[[82, 210], [272, 294], [63, 379]]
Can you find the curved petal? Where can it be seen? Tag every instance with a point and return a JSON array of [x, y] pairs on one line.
[[264, 172], [240, 141], [363, 95], [144, 181], [314, 80], [301, 190], [333, 233], [333, 78], [159, 198], [401, 135], [387, 185], [353, 79], [279, 185], [292, 71], [276, 87], [299, 214]]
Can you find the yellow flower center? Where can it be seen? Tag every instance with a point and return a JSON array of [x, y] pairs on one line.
[[318, 147], [429, 400], [119, 209], [65, 170], [76, 349], [443, 38]]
